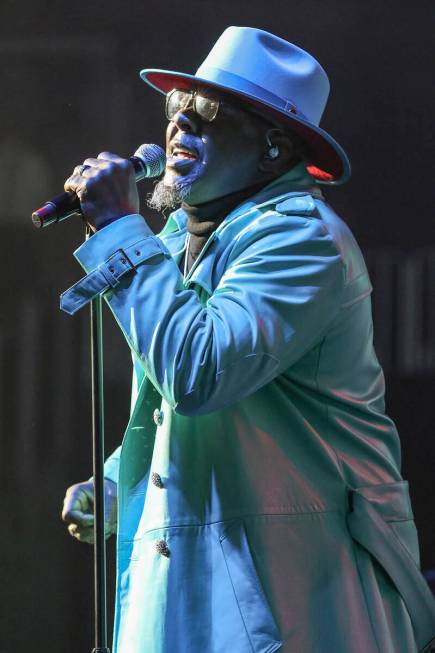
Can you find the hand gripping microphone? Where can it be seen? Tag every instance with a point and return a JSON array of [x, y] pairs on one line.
[[148, 161]]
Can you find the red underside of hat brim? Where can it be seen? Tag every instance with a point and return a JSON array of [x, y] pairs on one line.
[[325, 163]]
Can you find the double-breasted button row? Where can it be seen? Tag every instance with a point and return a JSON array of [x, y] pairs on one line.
[[162, 548], [158, 417], [156, 479]]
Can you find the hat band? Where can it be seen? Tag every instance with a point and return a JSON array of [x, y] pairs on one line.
[[241, 85]]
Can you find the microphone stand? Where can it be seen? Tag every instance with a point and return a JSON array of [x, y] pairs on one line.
[[97, 378]]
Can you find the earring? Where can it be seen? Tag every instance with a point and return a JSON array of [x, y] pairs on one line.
[[273, 152]]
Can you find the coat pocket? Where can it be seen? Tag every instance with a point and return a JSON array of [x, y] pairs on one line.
[[255, 612], [381, 521]]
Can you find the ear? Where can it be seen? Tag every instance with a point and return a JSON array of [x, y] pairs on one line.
[[279, 153]]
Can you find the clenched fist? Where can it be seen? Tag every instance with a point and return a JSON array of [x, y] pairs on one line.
[[106, 188], [78, 510]]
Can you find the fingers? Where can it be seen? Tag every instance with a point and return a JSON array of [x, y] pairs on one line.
[[79, 518], [77, 182], [106, 163], [106, 188], [78, 510], [78, 504], [114, 158]]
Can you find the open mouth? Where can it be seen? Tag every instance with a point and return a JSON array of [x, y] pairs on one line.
[[182, 153], [181, 158], [180, 150]]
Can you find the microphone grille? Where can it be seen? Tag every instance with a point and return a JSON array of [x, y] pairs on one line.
[[153, 157]]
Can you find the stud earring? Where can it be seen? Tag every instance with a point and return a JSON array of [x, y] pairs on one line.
[[273, 152]]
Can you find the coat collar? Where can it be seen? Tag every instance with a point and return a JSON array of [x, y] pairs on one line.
[[174, 233], [296, 179]]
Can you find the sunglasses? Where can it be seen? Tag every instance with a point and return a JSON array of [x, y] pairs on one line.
[[178, 100], [206, 106]]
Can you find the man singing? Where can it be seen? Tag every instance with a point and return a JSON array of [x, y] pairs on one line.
[[260, 505]]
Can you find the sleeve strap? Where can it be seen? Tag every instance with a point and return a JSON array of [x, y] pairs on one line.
[[108, 274]]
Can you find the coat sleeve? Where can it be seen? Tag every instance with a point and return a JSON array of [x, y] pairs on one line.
[[111, 466], [281, 288]]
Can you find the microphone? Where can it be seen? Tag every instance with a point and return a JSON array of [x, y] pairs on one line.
[[148, 161]]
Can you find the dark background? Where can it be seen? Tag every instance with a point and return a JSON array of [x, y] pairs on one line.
[[70, 88]]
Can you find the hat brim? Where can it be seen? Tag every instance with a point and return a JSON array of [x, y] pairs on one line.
[[328, 162]]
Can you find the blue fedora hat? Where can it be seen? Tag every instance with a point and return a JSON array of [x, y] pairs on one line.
[[273, 76]]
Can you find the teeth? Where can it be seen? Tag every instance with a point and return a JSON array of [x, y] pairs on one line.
[[183, 154]]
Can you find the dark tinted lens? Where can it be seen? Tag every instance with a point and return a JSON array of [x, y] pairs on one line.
[[176, 101], [206, 107]]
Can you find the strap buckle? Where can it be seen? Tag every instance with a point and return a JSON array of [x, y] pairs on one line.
[[123, 258]]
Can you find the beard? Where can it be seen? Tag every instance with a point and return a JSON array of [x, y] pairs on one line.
[[169, 196]]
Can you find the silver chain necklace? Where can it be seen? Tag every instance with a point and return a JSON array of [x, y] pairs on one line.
[[186, 255]]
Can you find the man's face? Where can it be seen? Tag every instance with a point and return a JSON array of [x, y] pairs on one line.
[[212, 159]]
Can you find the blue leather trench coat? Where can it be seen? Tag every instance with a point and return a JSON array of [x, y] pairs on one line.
[[261, 506]]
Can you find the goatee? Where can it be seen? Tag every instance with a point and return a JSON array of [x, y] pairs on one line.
[[169, 197]]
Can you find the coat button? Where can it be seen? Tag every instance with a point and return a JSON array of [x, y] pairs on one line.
[[156, 479], [162, 548], [158, 417]]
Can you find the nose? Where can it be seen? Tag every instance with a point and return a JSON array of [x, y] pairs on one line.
[[186, 121]]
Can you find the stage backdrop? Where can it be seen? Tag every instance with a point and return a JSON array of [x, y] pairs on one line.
[[70, 89]]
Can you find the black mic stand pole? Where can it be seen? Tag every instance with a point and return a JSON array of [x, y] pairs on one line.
[[97, 377]]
